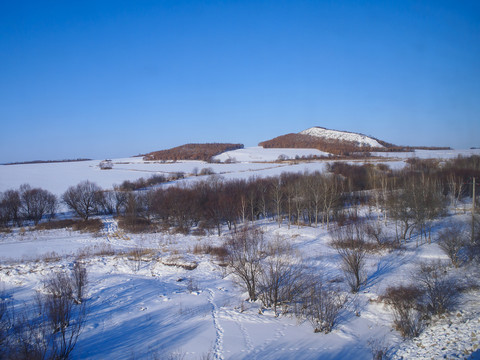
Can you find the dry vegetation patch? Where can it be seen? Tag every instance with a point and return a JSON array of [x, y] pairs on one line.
[[90, 225]]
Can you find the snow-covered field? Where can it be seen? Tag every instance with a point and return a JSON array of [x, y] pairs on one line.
[[258, 153], [151, 309], [255, 161]]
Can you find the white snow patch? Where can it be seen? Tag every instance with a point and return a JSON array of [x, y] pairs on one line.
[[259, 154], [361, 140]]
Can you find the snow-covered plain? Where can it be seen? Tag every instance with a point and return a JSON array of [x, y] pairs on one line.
[[147, 309]]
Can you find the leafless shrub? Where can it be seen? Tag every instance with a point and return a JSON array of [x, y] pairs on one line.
[[321, 306], [135, 225], [30, 335], [452, 241], [50, 257], [378, 348], [407, 311], [473, 246], [90, 225], [282, 278], [49, 327], [220, 252], [57, 224], [246, 250], [59, 285], [102, 250], [375, 231], [137, 255], [440, 290], [66, 320], [351, 246]]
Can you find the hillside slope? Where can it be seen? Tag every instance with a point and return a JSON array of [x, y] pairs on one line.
[[203, 152], [359, 139]]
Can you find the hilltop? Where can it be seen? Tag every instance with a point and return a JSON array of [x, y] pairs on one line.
[[203, 152], [335, 142]]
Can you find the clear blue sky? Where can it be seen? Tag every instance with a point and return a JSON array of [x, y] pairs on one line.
[[117, 78]]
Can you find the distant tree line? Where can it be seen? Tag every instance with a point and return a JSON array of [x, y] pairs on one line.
[[412, 197], [46, 161]]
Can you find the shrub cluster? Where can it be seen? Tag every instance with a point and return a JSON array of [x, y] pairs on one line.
[[273, 273], [49, 327], [432, 292]]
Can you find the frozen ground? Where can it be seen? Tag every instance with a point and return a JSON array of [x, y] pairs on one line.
[[152, 307], [140, 308]]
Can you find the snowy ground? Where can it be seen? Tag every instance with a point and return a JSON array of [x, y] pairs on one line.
[[152, 307], [141, 309], [260, 154]]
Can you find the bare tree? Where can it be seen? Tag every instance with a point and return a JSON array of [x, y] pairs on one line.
[[36, 202], [277, 199], [350, 245], [452, 241], [456, 185], [82, 198], [407, 310], [321, 306], [246, 250], [332, 192], [282, 278], [11, 205], [314, 186], [49, 328], [400, 209], [4, 215], [441, 292]]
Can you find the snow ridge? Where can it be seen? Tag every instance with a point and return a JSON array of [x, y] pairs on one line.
[[361, 140]]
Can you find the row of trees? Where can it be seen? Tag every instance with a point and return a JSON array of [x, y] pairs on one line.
[[26, 204], [412, 197]]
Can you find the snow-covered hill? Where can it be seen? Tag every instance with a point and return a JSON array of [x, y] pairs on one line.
[[361, 140]]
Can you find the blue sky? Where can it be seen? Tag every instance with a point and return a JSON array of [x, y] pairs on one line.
[[117, 78]]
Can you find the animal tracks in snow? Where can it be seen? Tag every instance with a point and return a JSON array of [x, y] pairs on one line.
[[218, 347]]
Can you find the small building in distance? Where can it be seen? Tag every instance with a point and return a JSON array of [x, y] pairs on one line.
[[106, 164]]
